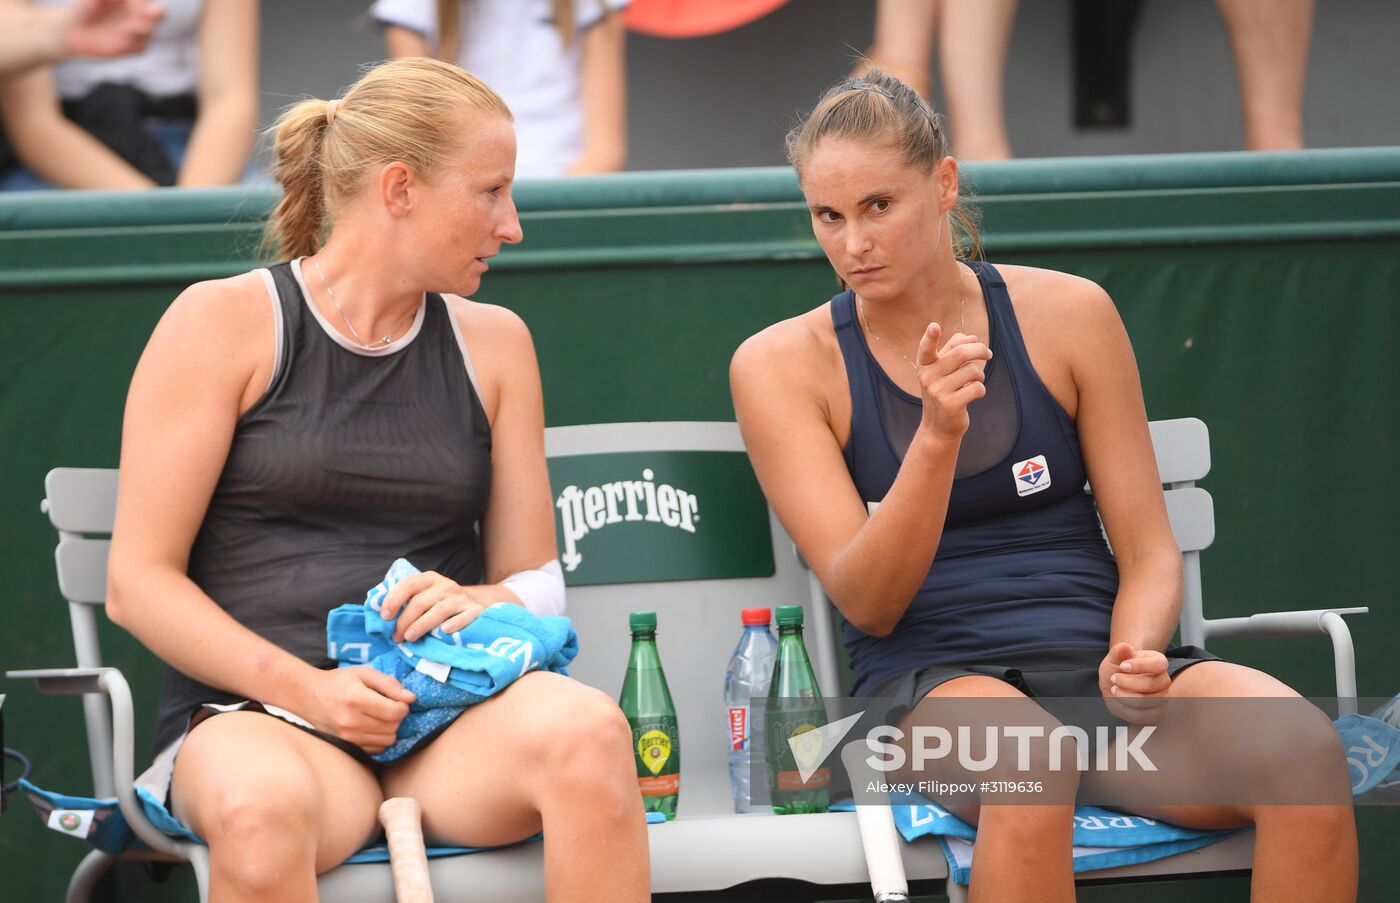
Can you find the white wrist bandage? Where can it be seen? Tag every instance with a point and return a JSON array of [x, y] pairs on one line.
[[541, 588]]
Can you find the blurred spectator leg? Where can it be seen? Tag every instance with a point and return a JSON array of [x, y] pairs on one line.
[[1270, 41], [903, 42], [972, 45]]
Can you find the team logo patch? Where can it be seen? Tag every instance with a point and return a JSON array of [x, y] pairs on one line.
[[1031, 475]]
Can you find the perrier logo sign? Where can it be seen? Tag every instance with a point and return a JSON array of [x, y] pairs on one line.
[[595, 507], [654, 749]]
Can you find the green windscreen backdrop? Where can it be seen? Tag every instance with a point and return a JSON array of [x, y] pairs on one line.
[[1261, 293], [635, 517]]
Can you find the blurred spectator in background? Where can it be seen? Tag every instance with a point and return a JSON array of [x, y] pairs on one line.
[[559, 65], [973, 35], [32, 36], [1270, 39], [184, 112]]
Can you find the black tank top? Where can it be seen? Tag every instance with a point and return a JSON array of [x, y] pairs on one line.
[[1022, 563], [350, 460]]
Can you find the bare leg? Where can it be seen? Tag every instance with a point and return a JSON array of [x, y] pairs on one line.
[[972, 42], [903, 44], [1023, 851], [1301, 852], [547, 753], [1270, 42], [276, 805]]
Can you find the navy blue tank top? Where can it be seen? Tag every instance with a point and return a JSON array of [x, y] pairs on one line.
[[1022, 563]]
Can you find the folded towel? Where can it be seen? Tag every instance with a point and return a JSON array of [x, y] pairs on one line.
[[447, 671], [1102, 838]]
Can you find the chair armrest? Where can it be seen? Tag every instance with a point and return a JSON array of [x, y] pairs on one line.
[[1304, 623], [1276, 623], [64, 681], [110, 682]]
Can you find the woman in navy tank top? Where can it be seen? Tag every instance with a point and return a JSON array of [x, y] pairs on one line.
[[926, 437], [290, 432]]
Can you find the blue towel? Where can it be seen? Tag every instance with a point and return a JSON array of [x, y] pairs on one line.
[[447, 671], [1102, 839], [1372, 744]]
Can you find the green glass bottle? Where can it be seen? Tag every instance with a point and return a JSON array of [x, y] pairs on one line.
[[646, 701], [795, 707]]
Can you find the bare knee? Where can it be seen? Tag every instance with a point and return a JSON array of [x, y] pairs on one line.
[[589, 744], [259, 836]]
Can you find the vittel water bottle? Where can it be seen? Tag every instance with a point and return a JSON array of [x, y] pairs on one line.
[[750, 669]]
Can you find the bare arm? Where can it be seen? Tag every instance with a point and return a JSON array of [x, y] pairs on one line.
[[209, 359], [405, 42], [604, 92], [48, 143], [517, 530], [1122, 469], [228, 95], [871, 566], [34, 36]]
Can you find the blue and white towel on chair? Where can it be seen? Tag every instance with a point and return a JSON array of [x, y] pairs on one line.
[[1102, 838], [447, 671]]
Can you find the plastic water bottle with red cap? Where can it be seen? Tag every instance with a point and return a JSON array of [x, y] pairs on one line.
[[750, 669]]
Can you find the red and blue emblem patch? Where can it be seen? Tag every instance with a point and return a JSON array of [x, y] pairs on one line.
[[1031, 475]]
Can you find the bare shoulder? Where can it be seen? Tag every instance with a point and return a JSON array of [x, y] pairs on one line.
[[225, 302], [794, 346], [227, 321], [1065, 294], [487, 323], [1059, 311]]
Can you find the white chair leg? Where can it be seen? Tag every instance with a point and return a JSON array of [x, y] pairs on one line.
[[86, 876], [956, 893], [199, 860]]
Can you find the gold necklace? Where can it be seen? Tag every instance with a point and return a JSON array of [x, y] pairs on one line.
[[962, 324], [355, 334]]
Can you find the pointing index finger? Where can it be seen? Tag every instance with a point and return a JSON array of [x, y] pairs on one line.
[[929, 344]]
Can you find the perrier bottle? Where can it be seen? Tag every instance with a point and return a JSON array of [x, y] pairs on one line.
[[795, 708], [646, 701]]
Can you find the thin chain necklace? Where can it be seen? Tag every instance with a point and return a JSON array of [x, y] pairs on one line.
[[355, 333], [962, 325]]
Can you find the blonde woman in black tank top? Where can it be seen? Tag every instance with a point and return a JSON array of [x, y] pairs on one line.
[[884, 200], [283, 429]]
